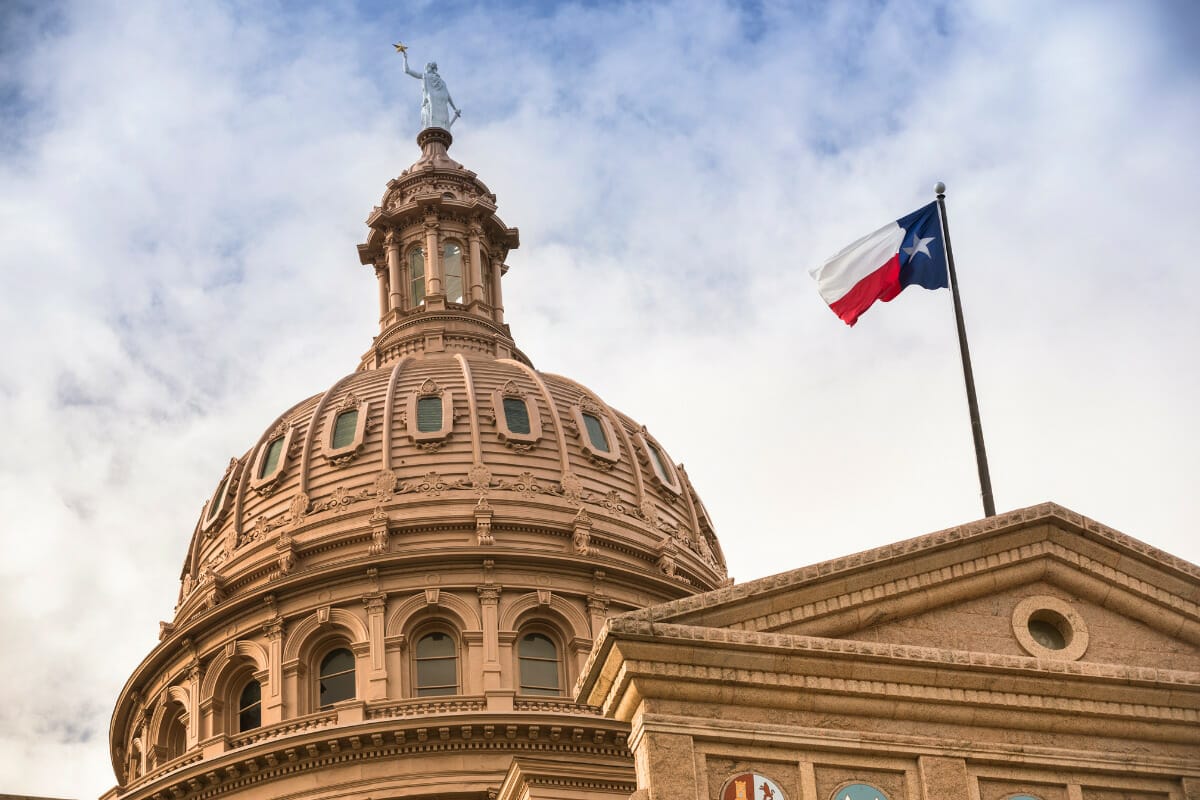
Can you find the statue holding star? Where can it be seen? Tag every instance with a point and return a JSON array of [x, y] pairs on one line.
[[436, 102]]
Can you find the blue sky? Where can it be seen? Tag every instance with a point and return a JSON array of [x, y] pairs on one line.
[[182, 189]]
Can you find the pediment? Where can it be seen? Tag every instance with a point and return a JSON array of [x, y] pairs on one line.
[[976, 588]]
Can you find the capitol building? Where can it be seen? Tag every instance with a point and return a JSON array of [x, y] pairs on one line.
[[453, 576]]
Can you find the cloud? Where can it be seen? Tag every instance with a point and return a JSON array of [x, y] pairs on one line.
[[181, 190]]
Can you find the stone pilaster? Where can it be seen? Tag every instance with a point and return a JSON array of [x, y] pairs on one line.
[[377, 675], [393, 262]]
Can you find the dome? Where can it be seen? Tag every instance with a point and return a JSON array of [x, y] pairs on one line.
[[403, 576], [512, 460]]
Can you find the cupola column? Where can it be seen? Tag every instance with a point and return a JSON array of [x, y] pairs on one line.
[[381, 275], [433, 257], [475, 293], [498, 300], [393, 262]]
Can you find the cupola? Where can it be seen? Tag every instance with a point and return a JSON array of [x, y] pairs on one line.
[[438, 250]]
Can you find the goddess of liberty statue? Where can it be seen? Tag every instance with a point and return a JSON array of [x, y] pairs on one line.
[[435, 100]]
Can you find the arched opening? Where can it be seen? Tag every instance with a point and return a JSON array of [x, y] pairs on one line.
[[416, 276], [250, 706], [539, 665], [452, 271], [436, 657], [174, 732], [335, 678]]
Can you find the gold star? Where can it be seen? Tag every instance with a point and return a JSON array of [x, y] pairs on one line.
[[400, 48]]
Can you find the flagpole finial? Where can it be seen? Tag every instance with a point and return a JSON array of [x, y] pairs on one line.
[[939, 189]]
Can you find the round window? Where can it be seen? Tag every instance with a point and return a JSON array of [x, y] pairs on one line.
[[1048, 627]]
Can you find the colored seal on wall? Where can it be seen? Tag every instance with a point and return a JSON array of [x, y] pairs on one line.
[[751, 786]]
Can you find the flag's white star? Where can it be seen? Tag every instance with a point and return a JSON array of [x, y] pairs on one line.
[[919, 245]]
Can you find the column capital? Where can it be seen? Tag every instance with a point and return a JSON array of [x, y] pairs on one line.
[[489, 595]]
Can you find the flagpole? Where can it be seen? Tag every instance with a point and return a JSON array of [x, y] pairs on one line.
[[985, 479]]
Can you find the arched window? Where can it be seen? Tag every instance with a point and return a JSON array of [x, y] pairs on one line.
[[175, 736], [539, 665], [270, 461], [437, 665], [416, 276], [516, 415], [485, 267], [344, 429], [859, 791], [250, 706], [452, 272], [336, 678], [429, 414], [595, 432]]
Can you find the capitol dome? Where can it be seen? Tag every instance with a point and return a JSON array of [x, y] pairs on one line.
[[402, 577]]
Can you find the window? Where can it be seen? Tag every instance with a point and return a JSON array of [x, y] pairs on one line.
[[270, 461], [452, 271], [336, 680], [344, 428], [250, 706], [175, 738], [416, 275], [485, 268], [538, 663], [663, 471], [595, 432], [437, 665], [859, 791], [429, 414], [516, 415], [216, 505]]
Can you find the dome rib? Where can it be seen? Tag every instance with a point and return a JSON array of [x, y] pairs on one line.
[[389, 410], [472, 409]]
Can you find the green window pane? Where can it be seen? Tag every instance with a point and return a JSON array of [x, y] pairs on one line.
[[595, 432], [344, 428], [452, 271], [250, 707], [416, 276], [659, 464], [337, 662], [337, 688], [516, 415], [1047, 634], [429, 414], [536, 645], [270, 460], [437, 665]]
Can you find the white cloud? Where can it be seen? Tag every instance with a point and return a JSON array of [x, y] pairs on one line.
[[185, 185]]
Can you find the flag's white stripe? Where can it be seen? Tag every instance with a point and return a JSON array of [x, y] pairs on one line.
[[841, 272]]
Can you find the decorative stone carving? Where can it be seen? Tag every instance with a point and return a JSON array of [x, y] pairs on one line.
[[380, 533], [481, 478], [572, 488], [385, 484], [666, 557], [582, 533], [483, 523]]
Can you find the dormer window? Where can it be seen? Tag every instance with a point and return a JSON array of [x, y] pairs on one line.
[[217, 504], [452, 272], [416, 276], [430, 414], [663, 470], [596, 432], [271, 460], [518, 419], [347, 428], [343, 428]]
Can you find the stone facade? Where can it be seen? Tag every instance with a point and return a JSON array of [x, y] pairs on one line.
[[1034, 654]]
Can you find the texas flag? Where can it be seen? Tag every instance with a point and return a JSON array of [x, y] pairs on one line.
[[881, 264]]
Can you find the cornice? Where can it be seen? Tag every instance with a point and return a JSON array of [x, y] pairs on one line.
[[197, 779], [1013, 520]]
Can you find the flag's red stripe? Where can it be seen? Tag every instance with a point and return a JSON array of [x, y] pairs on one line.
[[882, 284]]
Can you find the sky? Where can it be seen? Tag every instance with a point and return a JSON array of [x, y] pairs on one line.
[[182, 187]]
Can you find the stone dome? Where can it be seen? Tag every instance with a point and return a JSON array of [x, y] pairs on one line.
[[394, 491], [404, 575]]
